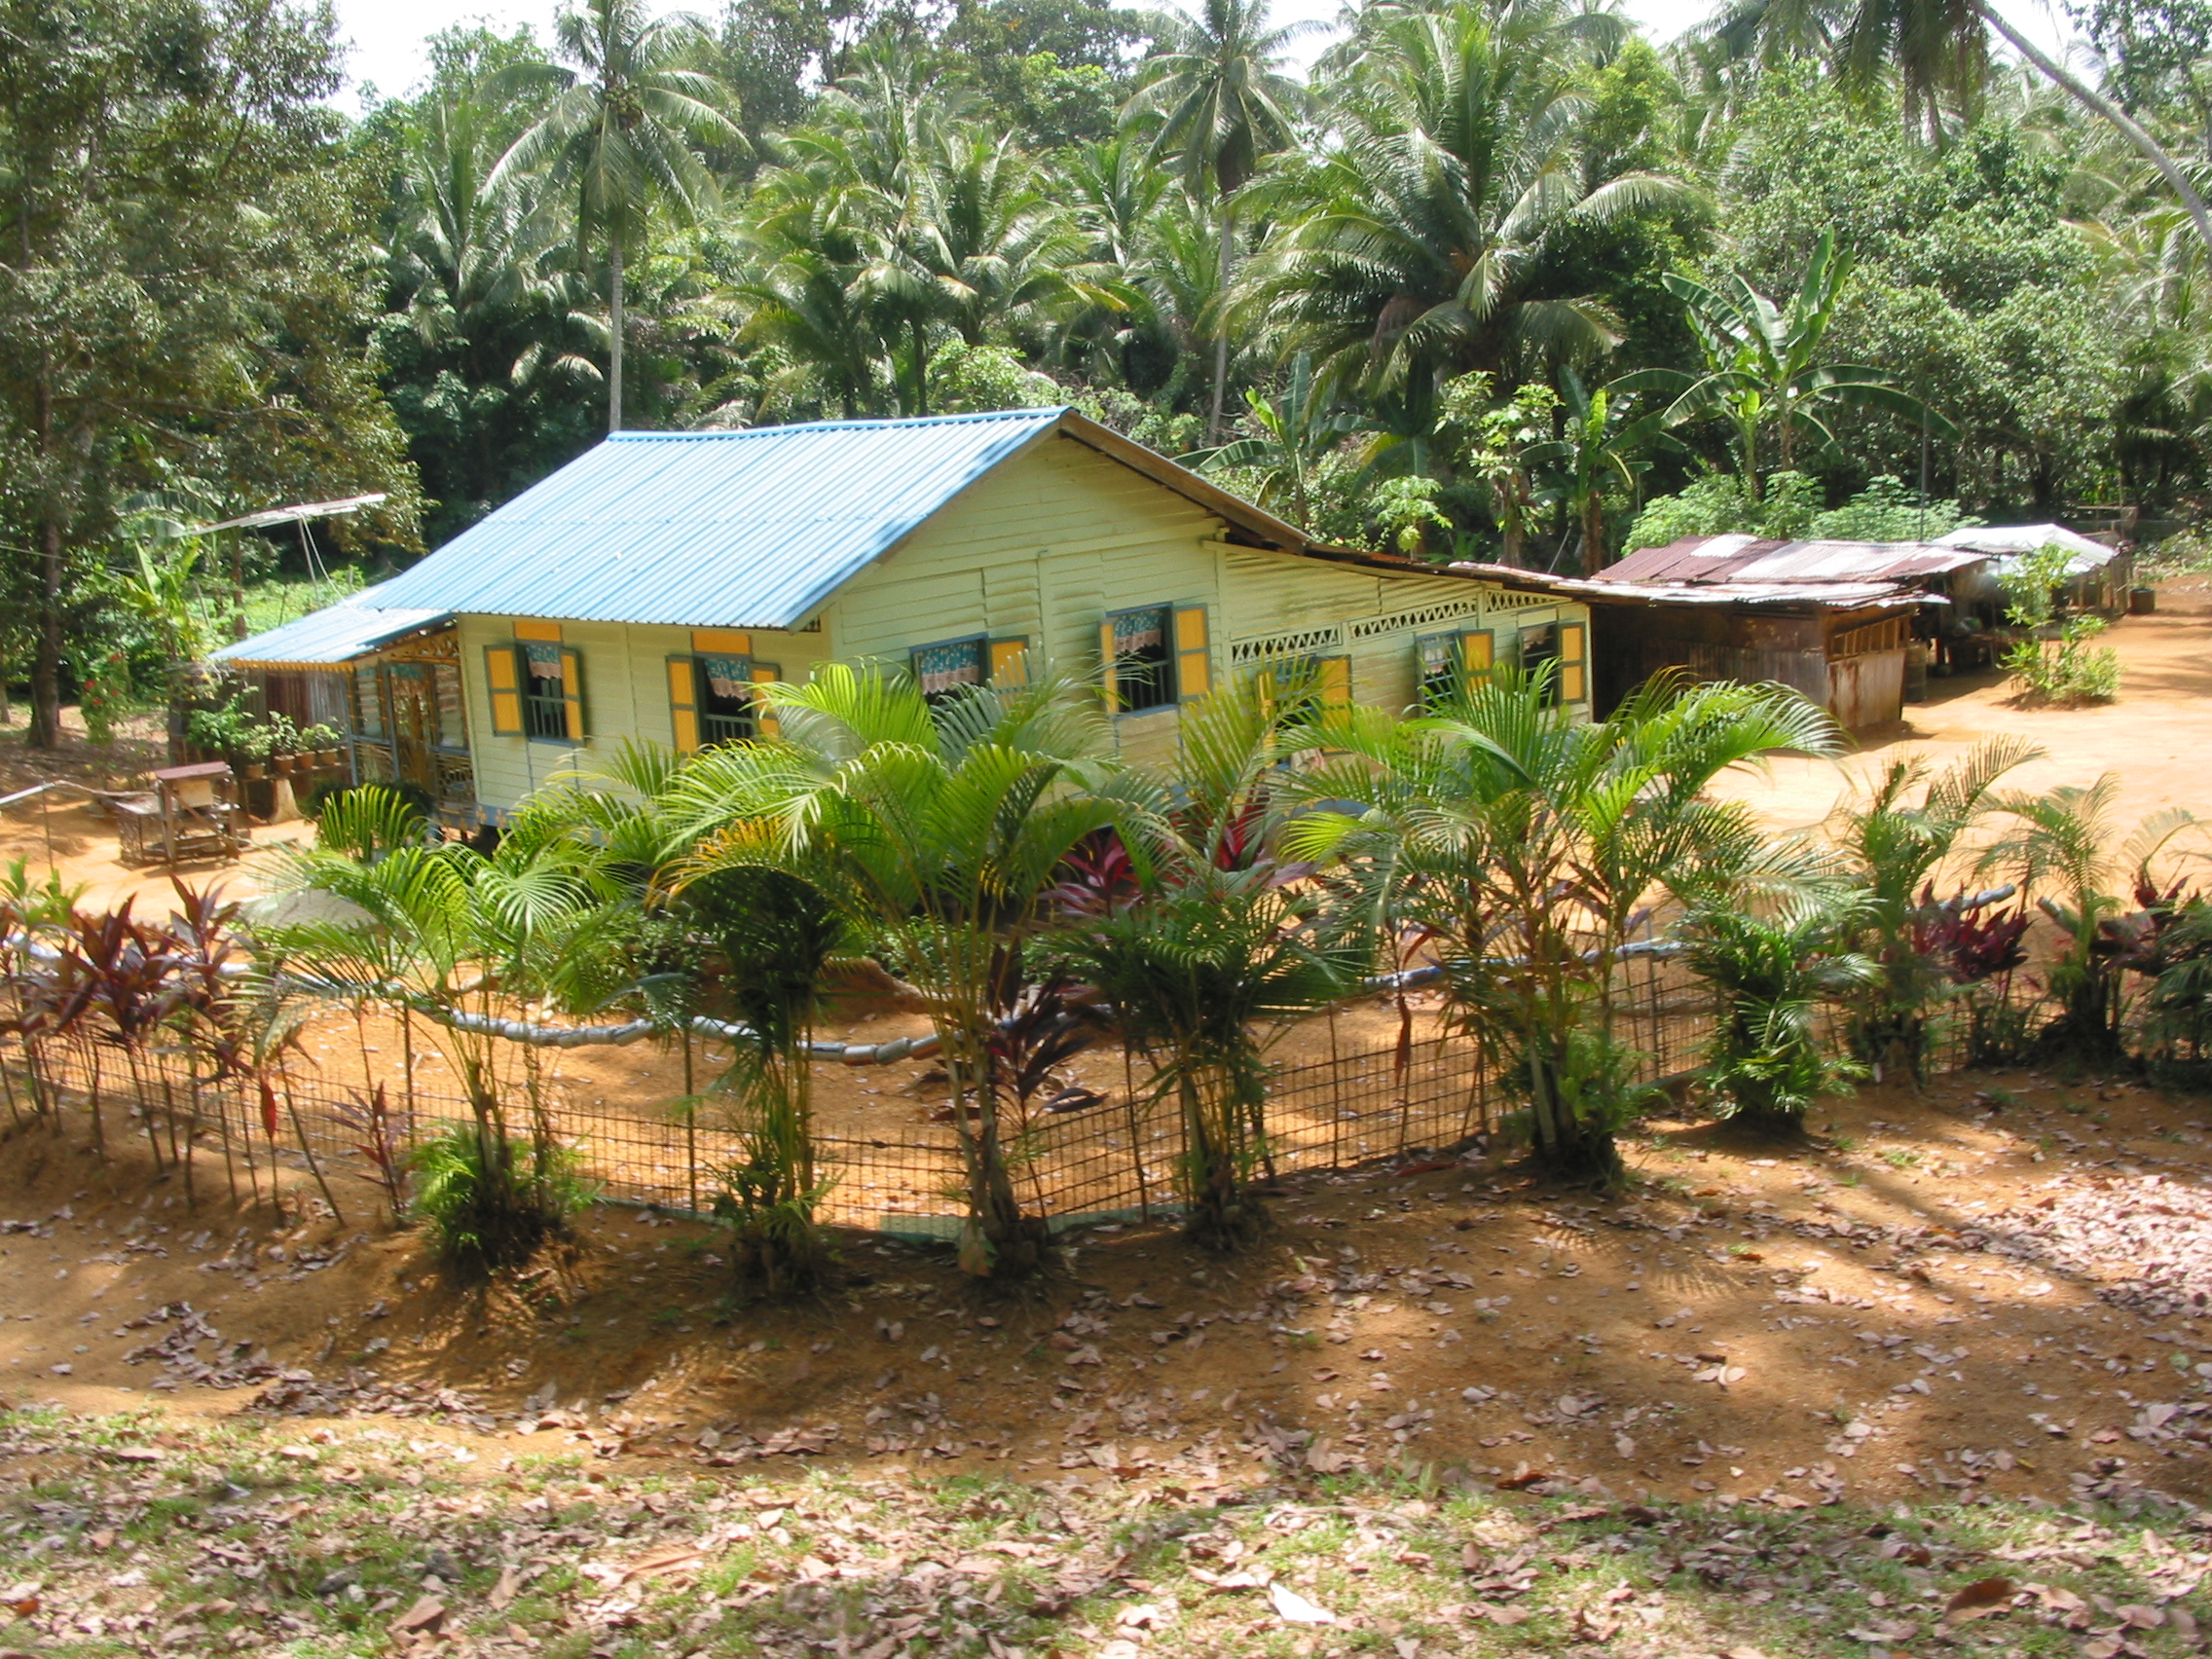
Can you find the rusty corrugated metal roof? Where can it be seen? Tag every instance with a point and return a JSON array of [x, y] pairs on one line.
[[1817, 595], [1699, 561]]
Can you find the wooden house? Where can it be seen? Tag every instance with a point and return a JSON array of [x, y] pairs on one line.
[[643, 590]]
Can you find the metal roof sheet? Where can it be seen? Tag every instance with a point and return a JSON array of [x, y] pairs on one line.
[[740, 529], [336, 634], [1699, 560], [2006, 542], [750, 529], [1818, 595]]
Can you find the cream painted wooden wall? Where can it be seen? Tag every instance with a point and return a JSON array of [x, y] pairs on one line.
[[1041, 549], [625, 685]]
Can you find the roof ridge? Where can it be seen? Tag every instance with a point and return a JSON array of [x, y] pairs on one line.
[[875, 422]]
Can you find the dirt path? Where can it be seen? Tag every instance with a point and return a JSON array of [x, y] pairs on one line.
[[2157, 735], [1999, 1285]]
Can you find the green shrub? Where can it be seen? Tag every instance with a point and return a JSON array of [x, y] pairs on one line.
[[1887, 511], [491, 1202], [2065, 669], [2053, 660], [1719, 505]]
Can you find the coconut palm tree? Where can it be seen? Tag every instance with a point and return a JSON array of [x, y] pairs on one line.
[[1528, 845], [623, 132], [1222, 104], [1405, 252], [936, 830], [819, 244]]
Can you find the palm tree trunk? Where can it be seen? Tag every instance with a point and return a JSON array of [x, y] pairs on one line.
[[1221, 324], [614, 336], [2083, 94]]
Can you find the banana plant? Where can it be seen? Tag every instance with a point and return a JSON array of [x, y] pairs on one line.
[[1764, 368], [1294, 435], [1600, 449]]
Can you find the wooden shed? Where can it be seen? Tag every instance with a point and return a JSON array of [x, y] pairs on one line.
[[1844, 642], [388, 678]]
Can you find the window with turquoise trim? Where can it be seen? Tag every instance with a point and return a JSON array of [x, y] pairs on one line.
[[1144, 659]]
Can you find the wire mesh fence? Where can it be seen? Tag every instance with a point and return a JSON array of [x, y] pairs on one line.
[[1116, 1157]]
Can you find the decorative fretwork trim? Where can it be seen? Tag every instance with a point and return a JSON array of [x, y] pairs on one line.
[[1301, 642]]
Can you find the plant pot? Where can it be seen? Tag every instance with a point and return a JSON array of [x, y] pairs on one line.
[[282, 763], [2142, 602], [329, 758], [253, 771]]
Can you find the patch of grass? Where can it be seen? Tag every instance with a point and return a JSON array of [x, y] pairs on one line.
[[1902, 1158], [1400, 1557]]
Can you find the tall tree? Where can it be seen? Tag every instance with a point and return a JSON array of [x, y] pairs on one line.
[[182, 276], [1405, 252], [1940, 48], [624, 131], [1222, 101]]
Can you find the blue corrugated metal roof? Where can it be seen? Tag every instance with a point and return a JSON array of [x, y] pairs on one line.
[[748, 529], [335, 634]]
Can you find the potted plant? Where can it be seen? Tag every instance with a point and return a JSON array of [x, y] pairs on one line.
[[251, 755], [324, 740]]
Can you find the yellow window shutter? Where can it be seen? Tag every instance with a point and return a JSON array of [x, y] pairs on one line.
[[502, 675], [721, 642], [683, 702], [572, 691], [764, 721], [1106, 666], [1193, 653], [1334, 684], [1477, 654], [1009, 662], [545, 633], [1574, 665]]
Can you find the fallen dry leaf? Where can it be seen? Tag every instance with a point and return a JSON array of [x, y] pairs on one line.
[[427, 1614], [1978, 1599], [1501, 1615], [658, 1564], [1295, 1609], [506, 1589]]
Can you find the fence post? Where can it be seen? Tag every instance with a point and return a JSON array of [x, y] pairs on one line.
[[1335, 1096], [1136, 1131], [691, 1125]]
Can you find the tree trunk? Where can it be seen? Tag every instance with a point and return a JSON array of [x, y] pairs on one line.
[[45, 662], [1221, 324], [921, 371], [2086, 95], [614, 336]]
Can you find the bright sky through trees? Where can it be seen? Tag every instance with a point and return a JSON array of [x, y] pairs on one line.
[[389, 37]]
